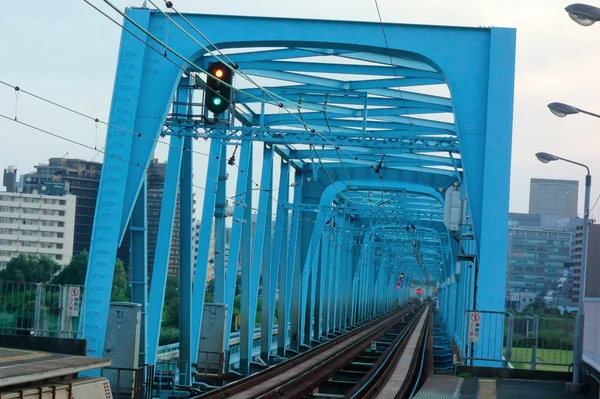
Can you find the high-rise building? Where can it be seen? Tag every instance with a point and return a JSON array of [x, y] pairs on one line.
[[34, 224], [536, 259], [157, 172], [82, 179], [74, 176], [553, 197], [9, 179]]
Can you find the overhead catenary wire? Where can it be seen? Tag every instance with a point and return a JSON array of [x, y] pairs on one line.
[[149, 34], [165, 56], [80, 144], [335, 146]]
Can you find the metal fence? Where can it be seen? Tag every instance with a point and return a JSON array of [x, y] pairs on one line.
[[525, 341], [41, 309], [130, 383]]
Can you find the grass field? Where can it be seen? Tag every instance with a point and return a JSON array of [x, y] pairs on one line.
[[521, 359]]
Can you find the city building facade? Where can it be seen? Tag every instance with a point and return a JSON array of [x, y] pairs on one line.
[[33, 224], [81, 178], [77, 177], [539, 260], [553, 197]]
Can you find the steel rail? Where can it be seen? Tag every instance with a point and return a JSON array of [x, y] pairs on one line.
[[371, 382], [273, 381], [374, 383]]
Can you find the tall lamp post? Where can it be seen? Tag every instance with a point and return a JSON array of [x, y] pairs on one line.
[[544, 157]]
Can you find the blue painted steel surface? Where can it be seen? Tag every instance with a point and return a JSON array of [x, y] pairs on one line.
[[372, 157], [208, 209], [186, 257], [139, 265], [164, 236]]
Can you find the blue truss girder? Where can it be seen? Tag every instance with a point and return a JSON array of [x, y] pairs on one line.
[[346, 112], [348, 69], [289, 137]]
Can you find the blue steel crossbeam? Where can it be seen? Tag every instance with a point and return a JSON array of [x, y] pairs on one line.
[[343, 163]]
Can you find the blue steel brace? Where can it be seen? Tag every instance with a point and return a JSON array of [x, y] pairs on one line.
[[269, 279], [208, 209], [250, 297], [278, 264], [220, 214], [186, 260], [243, 189], [247, 245], [293, 270], [356, 122], [161, 256], [139, 265]]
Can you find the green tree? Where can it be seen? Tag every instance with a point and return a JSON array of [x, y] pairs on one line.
[[170, 316], [75, 273], [30, 269], [120, 286]]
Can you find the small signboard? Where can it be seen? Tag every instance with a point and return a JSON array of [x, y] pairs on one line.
[[474, 326], [373, 346], [74, 300]]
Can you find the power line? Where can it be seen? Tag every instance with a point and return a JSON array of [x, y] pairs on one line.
[[61, 137], [336, 147], [183, 58]]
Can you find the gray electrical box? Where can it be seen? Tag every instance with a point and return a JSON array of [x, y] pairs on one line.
[[122, 344], [211, 354]]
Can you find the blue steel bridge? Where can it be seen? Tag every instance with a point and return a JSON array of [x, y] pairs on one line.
[[373, 151]]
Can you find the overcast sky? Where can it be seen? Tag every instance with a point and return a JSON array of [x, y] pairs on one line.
[[67, 52]]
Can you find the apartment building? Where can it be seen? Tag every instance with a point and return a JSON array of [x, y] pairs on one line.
[[34, 224]]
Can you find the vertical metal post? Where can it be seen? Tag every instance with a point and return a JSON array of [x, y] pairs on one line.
[[139, 264], [247, 241], [509, 338], [534, 342], [294, 266], [269, 283], [250, 298], [186, 259], [321, 300], [208, 210], [220, 215], [279, 262], [580, 319], [243, 189], [311, 327], [38, 309], [161, 256]]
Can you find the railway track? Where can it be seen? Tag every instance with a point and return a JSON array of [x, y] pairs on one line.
[[352, 365]]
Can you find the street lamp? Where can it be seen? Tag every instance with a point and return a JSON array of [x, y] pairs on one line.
[[545, 157], [561, 110], [583, 14]]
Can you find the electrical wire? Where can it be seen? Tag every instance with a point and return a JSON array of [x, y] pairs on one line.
[[336, 147], [264, 90], [80, 144]]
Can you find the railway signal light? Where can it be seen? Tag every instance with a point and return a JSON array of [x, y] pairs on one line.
[[217, 95], [419, 291]]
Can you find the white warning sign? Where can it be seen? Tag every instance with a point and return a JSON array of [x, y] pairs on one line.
[[74, 299], [474, 326]]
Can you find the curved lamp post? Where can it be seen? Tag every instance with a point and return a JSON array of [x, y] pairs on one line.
[[583, 14], [544, 157], [561, 110]]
